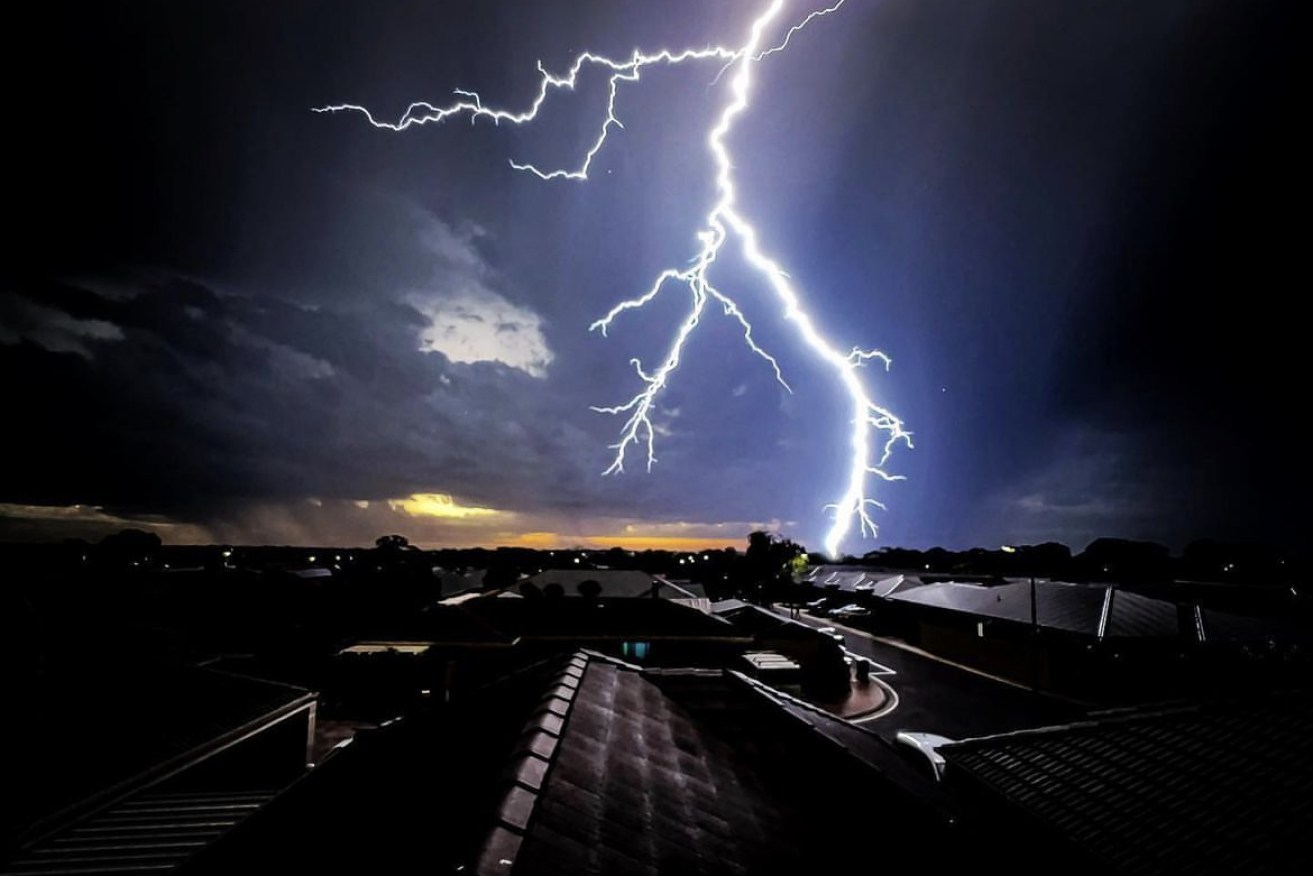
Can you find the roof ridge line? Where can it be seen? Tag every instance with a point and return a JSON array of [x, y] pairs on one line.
[[518, 804], [772, 693], [600, 657], [1094, 720]]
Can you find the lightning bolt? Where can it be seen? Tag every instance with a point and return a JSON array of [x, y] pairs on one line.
[[875, 430]]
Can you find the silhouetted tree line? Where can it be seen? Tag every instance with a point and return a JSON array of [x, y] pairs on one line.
[[130, 592]]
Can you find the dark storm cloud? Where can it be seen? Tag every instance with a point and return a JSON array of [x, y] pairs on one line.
[[1066, 222], [188, 400]]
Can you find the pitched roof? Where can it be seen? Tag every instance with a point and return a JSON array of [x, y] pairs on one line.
[[582, 619], [1206, 789], [621, 771], [614, 583], [454, 625], [851, 579], [454, 581], [752, 618], [723, 605], [1093, 610], [151, 717], [758, 621], [1132, 615], [1221, 626]]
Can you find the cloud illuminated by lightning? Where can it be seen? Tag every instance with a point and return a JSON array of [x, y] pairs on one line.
[[875, 431]]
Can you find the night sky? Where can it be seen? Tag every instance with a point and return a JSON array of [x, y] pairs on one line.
[[1076, 227]]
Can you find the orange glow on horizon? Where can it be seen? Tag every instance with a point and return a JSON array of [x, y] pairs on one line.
[[627, 541]]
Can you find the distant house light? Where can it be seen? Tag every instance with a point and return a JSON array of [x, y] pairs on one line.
[[636, 650]]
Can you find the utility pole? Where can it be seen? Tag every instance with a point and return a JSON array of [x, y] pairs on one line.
[[1034, 638]]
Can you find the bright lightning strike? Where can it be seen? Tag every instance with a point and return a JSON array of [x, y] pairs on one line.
[[875, 431]]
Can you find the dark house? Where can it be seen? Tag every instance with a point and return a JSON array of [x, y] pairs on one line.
[[819, 656], [587, 765], [454, 648], [1082, 639], [1224, 788], [138, 767], [616, 583]]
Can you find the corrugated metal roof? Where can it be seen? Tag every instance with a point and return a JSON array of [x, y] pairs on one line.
[[1093, 610], [1224, 627], [146, 714], [849, 579], [1074, 608], [1133, 615], [150, 832]]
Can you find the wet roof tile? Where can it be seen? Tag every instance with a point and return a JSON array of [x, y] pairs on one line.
[[1212, 789]]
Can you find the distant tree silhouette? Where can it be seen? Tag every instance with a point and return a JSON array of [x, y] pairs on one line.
[[132, 539], [130, 548], [1119, 559], [770, 563], [392, 543], [501, 573], [1210, 560]]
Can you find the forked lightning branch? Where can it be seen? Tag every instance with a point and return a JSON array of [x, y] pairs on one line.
[[874, 431]]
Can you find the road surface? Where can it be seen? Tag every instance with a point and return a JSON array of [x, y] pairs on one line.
[[937, 697]]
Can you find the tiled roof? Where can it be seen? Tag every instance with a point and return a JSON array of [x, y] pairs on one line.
[[1219, 789], [635, 783], [620, 771]]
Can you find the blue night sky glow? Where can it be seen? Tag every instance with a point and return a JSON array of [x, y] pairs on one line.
[[1063, 222]]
